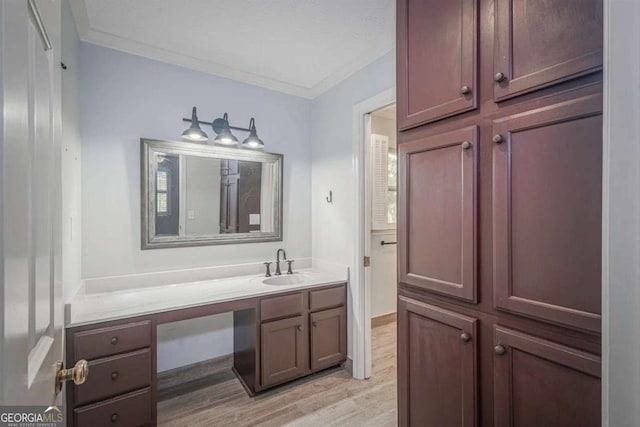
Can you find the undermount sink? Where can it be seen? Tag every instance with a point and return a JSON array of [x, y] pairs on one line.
[[284, 280]]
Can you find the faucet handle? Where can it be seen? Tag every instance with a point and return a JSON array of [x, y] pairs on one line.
[[268, 273], [289, 261]]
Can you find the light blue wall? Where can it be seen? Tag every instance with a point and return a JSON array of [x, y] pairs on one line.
[[332, 139], [126, 97]]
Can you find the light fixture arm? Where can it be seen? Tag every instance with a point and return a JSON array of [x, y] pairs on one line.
[[211, 124]]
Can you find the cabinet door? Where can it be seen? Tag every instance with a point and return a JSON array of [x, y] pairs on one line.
[[540, 43], [437, 366], [437, 45], [285, 350], [541, 383], [328, 338], [437, 213], [547, 203]]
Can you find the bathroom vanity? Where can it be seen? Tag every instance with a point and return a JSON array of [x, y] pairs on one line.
[[285, 327]]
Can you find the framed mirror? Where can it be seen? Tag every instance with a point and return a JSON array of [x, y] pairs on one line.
[[196, 194]]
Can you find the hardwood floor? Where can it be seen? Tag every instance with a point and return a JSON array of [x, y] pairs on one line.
[[330, 398]]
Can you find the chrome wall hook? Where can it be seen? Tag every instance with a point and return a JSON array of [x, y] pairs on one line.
[[330, 197]]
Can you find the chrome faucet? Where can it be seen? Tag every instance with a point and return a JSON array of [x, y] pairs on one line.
[[284, 257]]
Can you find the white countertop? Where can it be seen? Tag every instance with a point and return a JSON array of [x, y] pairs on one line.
[[93, 307]]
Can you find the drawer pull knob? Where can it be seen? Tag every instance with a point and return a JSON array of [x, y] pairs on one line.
[[465, 337], [114, 340], [465, 90], [315, 324], [498, 77], [300, 328], [114, 376], [466, 145], [500, 350], [114, 418], [497, 138]]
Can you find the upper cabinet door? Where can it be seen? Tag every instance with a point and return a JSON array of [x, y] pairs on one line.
[[547, 213], [437, 366], [437, 46], [540, 43], [437, 213], [541, 383]]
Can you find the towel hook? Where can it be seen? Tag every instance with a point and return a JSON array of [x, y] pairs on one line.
[[330, 197]]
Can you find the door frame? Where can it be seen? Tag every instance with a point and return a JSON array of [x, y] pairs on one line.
[[621, 215], [360, 279]]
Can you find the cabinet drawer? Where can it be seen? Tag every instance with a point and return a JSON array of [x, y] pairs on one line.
[[112, 340], [115, 375], [133, 409], [286, 305], [327, 298]]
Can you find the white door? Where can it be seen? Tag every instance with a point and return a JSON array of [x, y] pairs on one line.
[[30, 206]]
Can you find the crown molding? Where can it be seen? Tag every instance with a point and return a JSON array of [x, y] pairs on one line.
[[112, 41]]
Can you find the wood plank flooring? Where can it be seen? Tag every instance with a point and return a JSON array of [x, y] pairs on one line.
[[331, 398]]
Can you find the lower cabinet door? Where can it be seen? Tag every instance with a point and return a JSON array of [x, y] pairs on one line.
[[285, 350], [328, 338], [541, 383], [437, 366]]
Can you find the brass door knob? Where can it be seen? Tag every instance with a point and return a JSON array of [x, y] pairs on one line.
[[466, 145], [465, 337], [498, 77], [497, 138], [78, 374], [500, 350], [465, 90]]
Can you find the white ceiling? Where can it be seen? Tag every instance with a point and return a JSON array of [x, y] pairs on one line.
[[300, 47]]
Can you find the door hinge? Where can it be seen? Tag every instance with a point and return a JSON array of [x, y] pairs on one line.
[[367, 261]]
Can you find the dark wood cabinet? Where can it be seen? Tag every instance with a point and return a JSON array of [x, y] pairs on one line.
[[542, 383], [540, 43], [285, 350], [436, 54], [547, 213], [437, 366], [505, 235], [437, 234], [328, 338]]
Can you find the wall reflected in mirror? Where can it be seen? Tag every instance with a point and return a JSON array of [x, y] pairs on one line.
[[211, 195]]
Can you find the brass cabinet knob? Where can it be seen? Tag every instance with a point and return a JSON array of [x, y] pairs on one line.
[[497, 138], [466, 145], [465, 90], [78, 374], [114, 418], [465, 337], [314, 324], [300, 328], [114, 340], [499, 350], [114, 375], [498, 77]]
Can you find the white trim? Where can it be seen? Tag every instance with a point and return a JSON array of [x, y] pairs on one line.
[[113, 41], [362, 213], [621, 215]]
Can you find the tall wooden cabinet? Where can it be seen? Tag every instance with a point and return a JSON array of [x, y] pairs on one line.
[[499, 212]]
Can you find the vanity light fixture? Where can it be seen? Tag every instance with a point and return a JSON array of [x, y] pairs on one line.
[[252, 140], [222, 128], [225, 137], [194, 133]]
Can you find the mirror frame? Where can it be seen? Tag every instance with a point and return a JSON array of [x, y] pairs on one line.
[[148, 167]]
